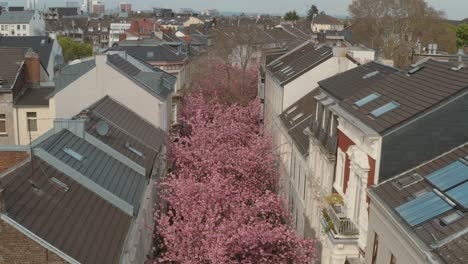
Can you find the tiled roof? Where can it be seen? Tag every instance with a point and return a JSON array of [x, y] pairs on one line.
[[155, 81], [299, 60], [346, 84], [16, 17], [10, 63], [126, 129], [35, 97], [297, 118], [99, 167], [447, 242], [40, 45], [414, 92], [9, 159], [74, 220], [162, 53]]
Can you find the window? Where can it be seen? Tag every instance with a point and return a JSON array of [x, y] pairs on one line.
[[392, 259], [3, 27], [324, 119], [332, 123], [375, 249], [384, 109], [174, 113], [367, 99], [32, 121], [24, 27], [3, 124], [18, 27]]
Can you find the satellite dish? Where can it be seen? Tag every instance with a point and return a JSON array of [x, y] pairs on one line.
[[102, 128]]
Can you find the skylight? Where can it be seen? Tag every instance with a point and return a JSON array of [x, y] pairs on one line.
[[367, 99], [369, 75], [415, 70], [73, 154], [279, 64], [134, 150], [384, 109]]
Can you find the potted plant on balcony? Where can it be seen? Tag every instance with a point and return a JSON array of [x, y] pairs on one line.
[[336, 202]]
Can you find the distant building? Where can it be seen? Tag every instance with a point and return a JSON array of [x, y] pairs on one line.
[[117, 32], [326, 23], [162, 12], [72, 4], [98, 8], [184, 12], [55, 13], [125, 7], [22, 23], [210, 12]]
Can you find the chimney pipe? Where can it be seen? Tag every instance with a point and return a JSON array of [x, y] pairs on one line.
[[2, 202], [33, 68]]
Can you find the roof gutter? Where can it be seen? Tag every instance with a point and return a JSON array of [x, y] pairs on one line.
[[38, 240]]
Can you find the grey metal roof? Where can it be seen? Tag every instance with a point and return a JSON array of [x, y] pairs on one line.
[[448, 243], [157, 82], [77, 222], [35, 97], [126, 128], [72, 72], [39, 44], [98, 166], [161, 53], [297, 118], [16, 17]]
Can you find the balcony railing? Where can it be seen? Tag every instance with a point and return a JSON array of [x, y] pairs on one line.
[[338, 224]]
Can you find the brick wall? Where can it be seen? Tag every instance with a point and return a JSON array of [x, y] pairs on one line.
[[16, 248]]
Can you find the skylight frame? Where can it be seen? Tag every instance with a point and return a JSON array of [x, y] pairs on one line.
[[385, 109], [134, 150], [362, 102]]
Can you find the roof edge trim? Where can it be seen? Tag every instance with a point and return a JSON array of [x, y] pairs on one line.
[[37, 239]]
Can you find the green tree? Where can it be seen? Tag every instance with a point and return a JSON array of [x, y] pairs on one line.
[[291, 16], [462, 35], [73, 50], [312, 12]]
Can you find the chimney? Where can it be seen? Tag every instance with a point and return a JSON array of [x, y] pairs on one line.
[[33, 68], [2, 202]]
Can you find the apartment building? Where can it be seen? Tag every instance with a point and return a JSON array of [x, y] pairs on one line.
[[22, 23]]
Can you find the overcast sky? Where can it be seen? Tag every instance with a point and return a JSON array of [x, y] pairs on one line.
[[455, 9]]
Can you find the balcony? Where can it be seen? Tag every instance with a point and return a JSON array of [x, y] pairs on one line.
[[337, 224]]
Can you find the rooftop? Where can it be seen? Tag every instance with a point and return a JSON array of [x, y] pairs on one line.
[[327, 20], [123, 185], [297, 118], [431, 200], [9, 159], [161, 53], [10, 64], [401, 96], [35, 97], [303, 58], [346, 84], [62, 212], [128, 133], [40, 45], [16, 17]]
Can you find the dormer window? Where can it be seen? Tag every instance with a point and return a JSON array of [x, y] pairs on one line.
[[384, 109], [367, 99]]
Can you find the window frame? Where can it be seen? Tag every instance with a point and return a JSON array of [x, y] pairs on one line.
[[375, 248], [30, 119], [4, 120]]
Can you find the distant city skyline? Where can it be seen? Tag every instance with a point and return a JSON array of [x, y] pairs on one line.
[[454, 9]]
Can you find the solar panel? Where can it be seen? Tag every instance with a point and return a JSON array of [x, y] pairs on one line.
[[460, 195], [367, 99], [384, 109], [423, 208], [449, 176]]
